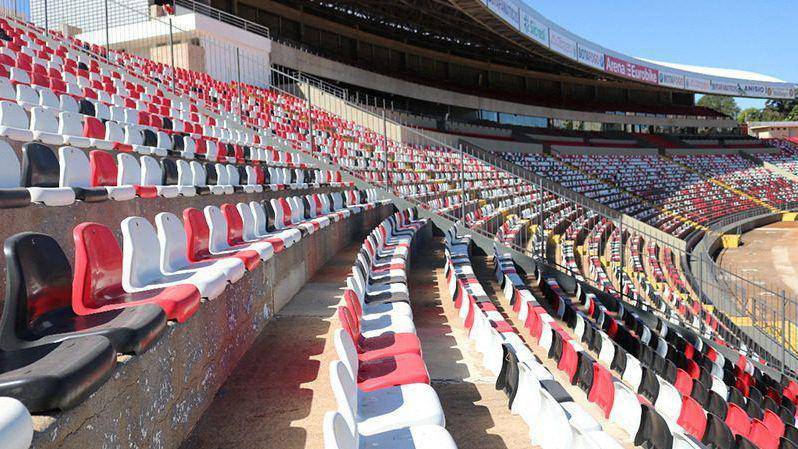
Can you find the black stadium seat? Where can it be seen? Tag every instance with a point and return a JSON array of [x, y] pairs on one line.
[[654, 432], [38, 303], [717, 435]]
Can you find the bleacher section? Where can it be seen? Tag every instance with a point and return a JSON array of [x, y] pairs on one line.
[[138, 197]]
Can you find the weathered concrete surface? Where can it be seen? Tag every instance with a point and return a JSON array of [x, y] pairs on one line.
[[280, 390], [477, 415], [154, 400], [59, 221]]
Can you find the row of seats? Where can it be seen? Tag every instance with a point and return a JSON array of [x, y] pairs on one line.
[[380, 383], [61, 327], [554, 418], [72, 175], [619, 404]]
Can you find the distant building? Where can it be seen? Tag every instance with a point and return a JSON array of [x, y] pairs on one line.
[[773, 130]]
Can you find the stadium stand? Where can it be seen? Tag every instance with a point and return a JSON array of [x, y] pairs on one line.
[[214, 180]]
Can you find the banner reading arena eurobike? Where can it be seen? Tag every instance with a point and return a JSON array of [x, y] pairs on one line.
[[631, 70], [532, 24]]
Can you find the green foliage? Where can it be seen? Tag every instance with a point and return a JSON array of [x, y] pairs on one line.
[[724, 105], [774, 111]]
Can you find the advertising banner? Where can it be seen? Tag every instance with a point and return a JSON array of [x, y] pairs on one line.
[[507, 10], [697, 84], [589, 56], [631, 70], [753, 89], [781, 92], [671, 79], [534, 28], [725, 88], [562, 44]]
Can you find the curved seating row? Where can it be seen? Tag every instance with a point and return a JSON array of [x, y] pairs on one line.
[[555, 420], [61, 328], [381, 384], [45, 178], [620, 404]]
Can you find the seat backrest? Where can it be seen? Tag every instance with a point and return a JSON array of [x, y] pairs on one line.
[[737, 420], [654, 431], [345, 391], [12, 115], [248, 225], [93, 128], [235, 224], [232, 175], [337, 433], [98, 267], [140, 251], [602, 392], [40, 166], [9, 167], [346, 351], [103, 168], [151, 173], [172, 240], [39, 281], [75, 169], [198, 174], [217, 226], [260, 215], [171, 175], [692, 418], [129, 170], [197, 234], [70, 123], [42, 119]]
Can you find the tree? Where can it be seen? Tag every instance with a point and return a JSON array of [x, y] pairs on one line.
[[724, 105], [749, 115]]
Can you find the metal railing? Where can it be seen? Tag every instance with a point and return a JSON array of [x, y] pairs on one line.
[[227, 66], [222, 16]]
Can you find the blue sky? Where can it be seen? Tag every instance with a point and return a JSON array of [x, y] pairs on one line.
[[759, 36]]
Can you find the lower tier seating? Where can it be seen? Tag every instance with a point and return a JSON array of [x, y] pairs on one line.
[[381, 384], [63, 325]]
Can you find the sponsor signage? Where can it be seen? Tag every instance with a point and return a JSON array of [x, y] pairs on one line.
[[631, 70], [562, 44], [781, 92], [588, 56], [725, 88], [506, 9], [753, 89], [697, 84], [671, 79], [534, 28]]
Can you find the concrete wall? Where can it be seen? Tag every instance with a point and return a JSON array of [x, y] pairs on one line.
[[154, 400], [326, 68], [567, 149]]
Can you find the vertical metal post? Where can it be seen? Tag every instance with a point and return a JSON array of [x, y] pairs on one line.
[[385, 148], [541, 234], [462, 185], [623, 252], [107, 39], [783, 331], [172, 54], [310, 121], [240, 98], [46, 18]]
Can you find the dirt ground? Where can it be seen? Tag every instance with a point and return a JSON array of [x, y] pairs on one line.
[[767, 256]]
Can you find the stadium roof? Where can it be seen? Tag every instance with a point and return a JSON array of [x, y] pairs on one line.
[[524, 21], [510, 33]]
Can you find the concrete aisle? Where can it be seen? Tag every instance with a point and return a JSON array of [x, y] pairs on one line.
[[279, 393], [477, 415]]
